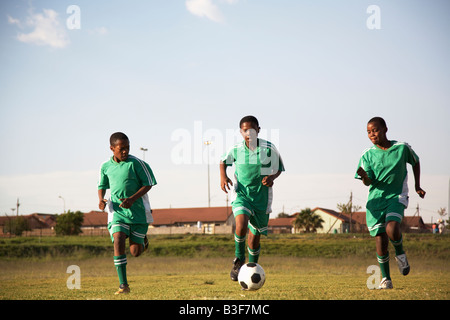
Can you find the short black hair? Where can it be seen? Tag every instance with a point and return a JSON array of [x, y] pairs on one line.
[[379, 120], [250, 119], [117, 136]]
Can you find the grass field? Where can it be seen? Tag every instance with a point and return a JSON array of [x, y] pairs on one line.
[[197, 268]]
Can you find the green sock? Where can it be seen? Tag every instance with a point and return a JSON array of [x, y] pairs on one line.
[[253, 254], [383, 261], [398, 246], [239, 243], [121, 266]]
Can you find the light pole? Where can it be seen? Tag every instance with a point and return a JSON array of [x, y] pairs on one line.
[[207, 143], [64, 202], [143, 153]]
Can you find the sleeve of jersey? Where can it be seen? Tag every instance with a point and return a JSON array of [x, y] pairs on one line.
[[365, 164], [411, 156], [278, 159], [228, 157], [145, 174], [103, 181]]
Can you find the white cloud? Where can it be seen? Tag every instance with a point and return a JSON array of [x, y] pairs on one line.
[[11, 20], [204, 8], [99, 31], [47, 29]]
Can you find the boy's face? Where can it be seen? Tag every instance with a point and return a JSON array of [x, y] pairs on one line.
[[376, 132], [120, 150], [249, 132]]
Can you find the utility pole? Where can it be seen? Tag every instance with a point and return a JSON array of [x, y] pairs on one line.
[[207, 143], [143, 153], [350, 211]]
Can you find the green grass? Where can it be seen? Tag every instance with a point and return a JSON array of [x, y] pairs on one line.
[[298, 267]]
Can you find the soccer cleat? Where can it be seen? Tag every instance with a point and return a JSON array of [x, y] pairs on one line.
[[123, 288], [385, 284], [403, 264], [237, 264]]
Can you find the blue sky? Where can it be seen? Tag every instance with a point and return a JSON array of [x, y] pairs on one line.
[[172, 74]]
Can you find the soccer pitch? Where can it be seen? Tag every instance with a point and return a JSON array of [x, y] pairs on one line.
[[174, 278]]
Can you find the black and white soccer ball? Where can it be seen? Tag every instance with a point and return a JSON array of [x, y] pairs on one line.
[[251, 276]]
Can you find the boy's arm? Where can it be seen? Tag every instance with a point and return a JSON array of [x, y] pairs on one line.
[[268, 180], [101, 199], [224, 180], [128, 202], [416, 172], [364, 177]]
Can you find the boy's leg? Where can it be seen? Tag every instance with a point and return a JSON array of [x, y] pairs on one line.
[[241, 215], [393, 219], [395, 236], [120, 260], [382, 243], [254, 247], [138, 239], [239, 236]]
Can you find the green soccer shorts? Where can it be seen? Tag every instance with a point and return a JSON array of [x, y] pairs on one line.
[[258, 220], [376, 220], [136, 232]]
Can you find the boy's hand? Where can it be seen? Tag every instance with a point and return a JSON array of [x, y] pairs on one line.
[[126, 203], [224, 183], [268, 181], [362, 173], [102, 204], [420, 192]]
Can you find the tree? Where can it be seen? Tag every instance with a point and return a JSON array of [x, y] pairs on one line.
[[69, 223], [348, 208], [16, 225], [308, 221], [282, 215]]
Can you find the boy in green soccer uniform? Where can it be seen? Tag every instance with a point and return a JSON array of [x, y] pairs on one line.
[[257, 165], [129, 213], [383, 168]]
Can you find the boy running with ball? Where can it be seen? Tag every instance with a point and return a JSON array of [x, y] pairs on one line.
[[129, 179], [383, 168], [257, 165]]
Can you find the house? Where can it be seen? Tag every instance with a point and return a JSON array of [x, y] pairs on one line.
[[339, 222], [414, 224], [95, 223], [210, 220], [333, 222], [38, 224], [281, 225]]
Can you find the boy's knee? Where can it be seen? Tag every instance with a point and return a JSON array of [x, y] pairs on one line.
[[393, 230], [136, 249]]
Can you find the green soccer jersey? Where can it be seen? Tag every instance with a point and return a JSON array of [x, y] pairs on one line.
[[251, 166], [388, 172], [124, 179]]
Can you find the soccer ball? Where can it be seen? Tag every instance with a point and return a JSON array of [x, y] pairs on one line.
[[251, 276]]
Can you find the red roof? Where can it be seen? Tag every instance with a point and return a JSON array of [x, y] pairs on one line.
[[95, 218], [169, 216], [281, 222], [190, 215]]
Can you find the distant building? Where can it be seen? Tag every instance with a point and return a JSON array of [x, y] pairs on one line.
[[209, 220]]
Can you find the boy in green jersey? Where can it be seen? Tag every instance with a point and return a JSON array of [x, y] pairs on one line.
[[383, 168], [257, 165], [129, 179]]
